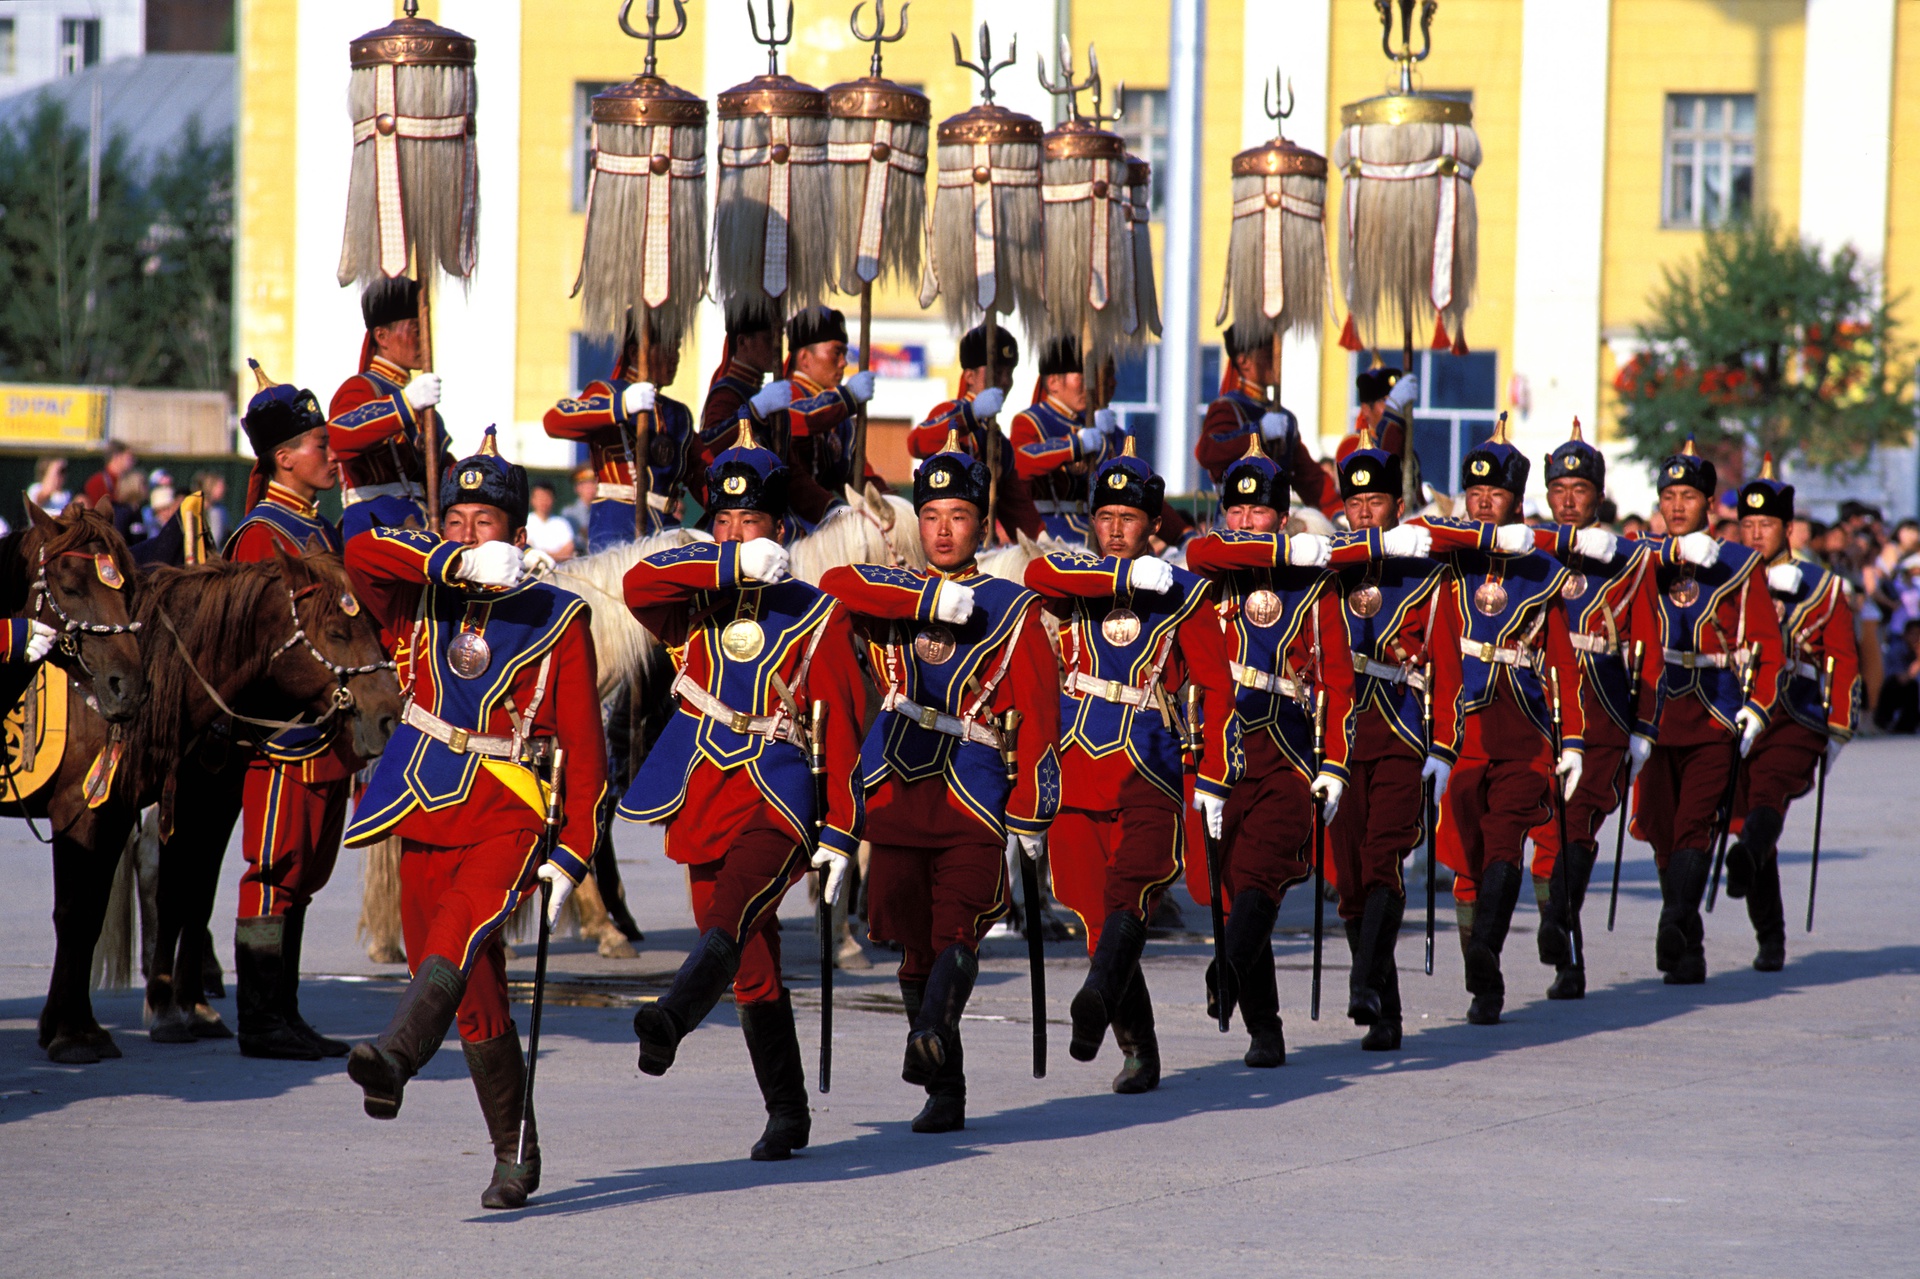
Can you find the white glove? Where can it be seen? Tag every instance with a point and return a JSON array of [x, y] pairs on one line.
[[1834, 747], [1750, 726], [1513, 539], [1700, 549], [490, 564], [953, 602], [1151, 574], [1106, 421], [1595, 544], [1308, 550], [1404, 392], [423, 392], [1437, 771], [1274, 426], [1569, 767], [1328, 789], [562, 889], [638, 398], [988, 402], [763, 560], [835, 866], [1784, 578], [40, 639], [860, 386], [1090, 439], [536, 562], [1214, 809], [771, 398], [1031, 846], [1639, 748], [1406, 541]]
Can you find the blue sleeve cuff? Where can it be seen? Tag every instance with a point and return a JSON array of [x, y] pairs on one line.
[[1219, 790], [1336, 771], [440, 562], [923, 611], [1578, 745], [839, 841], [570, 863], [16, 639], [729, 568], [1445, 754]]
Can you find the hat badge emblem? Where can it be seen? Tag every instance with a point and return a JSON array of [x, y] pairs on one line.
[[1361, 475], [1675, 471], [1481, 466], [940, 478], [1248, 483], [734, 485], [1756, 499], [1117, 480], [471, 478], [1573, 463]]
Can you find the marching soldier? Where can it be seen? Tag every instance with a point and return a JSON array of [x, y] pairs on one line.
[[1241, 413], [294, 796], [957, 649], [607, 417], [1714, 620], [1054, 448], [500, 674], [970, 414], [730, 776], [1135, 628], [374, 417], [1279, 609], [1820, 685], [1402, 622]]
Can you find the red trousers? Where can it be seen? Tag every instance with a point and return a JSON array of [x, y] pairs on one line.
[[1603, 776], [1491, 806], [289, 836], [936, 876], [1780, 768], [452, 904], [1120, 859], [1378, 822], [1269, 825], [1680, 791]]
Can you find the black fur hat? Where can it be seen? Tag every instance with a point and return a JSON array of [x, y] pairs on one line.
[[487, 479]]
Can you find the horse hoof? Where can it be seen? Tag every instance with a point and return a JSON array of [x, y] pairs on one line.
[[101, 1042], [613, 945], [72, 1050], [204, 1023], [170, 1027], [386, 953]]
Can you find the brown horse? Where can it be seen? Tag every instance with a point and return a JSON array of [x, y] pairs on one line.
[[273, 641], [74, 574]]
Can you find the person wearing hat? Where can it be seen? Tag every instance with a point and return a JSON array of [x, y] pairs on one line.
[[958, 649], [607, 417], [1054, 448], [729, 776], [1135, 630], [374, 415], [1514, 646], [1819, 695], [970, 414], [1713, 618], [1242, 413], [750, 354], [295, 791], [500, 673]]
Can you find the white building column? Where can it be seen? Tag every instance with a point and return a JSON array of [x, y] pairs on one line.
[[1180, 276], [1846, 120], [1557, 245], [1293, 39]]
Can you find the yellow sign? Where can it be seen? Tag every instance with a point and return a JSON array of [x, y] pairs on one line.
[[56, 415]]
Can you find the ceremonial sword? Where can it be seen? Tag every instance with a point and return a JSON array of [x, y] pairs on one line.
[[1560, 821], [1820, 792], [1030, 889], [1429, 809], [549, 840], [823, 919], [1725, 813], [1223, 975], [1319, 846], [1626, 769]]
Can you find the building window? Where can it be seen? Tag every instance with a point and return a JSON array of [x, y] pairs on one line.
[[79, 44], [1709, 159], [1144, 125], [583, 92], [6, 47], [1456, 410]]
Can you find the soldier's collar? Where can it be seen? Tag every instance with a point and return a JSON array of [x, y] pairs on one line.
[[970, 569], [280, 495], [813, 387], [388, 369], [1060, 408]]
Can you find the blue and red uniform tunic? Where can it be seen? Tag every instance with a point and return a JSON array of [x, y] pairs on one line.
[[730, 775], [376, 435], [1048, 456], [939, 806], [468, 811], [727, 396], [13, 640], [1118, 839], [597, 417], [294, 798], [1223, 441], [1015, 510]]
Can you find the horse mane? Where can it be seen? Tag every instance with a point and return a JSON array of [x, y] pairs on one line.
[[623, 649], [855, 535], [76, 527]]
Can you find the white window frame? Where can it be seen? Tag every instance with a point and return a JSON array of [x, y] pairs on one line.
[[71, 57], [583, 91], [1733, 149], [1143, 123]]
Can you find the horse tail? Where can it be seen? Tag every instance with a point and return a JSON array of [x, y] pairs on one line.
[[112, 967], [379, 927]]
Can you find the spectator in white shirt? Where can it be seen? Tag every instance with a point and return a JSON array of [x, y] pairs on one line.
[[545, 530]]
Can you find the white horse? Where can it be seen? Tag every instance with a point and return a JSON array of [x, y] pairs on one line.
[[623, 648], [872, 528]]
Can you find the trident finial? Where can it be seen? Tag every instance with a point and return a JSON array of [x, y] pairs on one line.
[[1271, 97], [1119, 93], [653, 32], [1406, 57], [773, 39], [986, 68], [1066, 88], [879, 36]]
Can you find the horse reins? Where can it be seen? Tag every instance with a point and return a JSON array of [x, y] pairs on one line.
[[72, 627]]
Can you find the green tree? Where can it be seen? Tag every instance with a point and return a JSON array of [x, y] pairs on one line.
[[185, 294], [1769, 343]]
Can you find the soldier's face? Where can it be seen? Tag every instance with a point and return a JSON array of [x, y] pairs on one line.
[[743, 526], [308, 461], [1123, 531], [823, 363], [1573, 501], [759, 350], [471, 523], [1490, 504], [398, 343], [974, 381], [949, 532], [1248, 518], [1683, 508], [1373, 510], [1068, 388], [1255, 368], [1763, 533]]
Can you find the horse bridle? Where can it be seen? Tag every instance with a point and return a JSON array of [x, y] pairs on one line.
[[899, 560], [342, 695], [71, 627]]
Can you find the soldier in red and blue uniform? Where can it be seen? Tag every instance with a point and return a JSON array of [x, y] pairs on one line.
[[1241, 412], [1815, 708], [1279, 608], [499, 676], [607, 416], [730, 774], [1054, 448], [751, 352], [1135, 630], [1714, 616], [970, 416], [375, 415], [295, 792], [957, 649]]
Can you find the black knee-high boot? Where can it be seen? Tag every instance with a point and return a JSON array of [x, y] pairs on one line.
[[499, 1080], [1250, 952], [383, 1066], [1764, 907], [1133, 1035], [1493, 914], [1122, 939], [774, 1045], [1570, 974], [1384, 976], [1680, 945], [697, 987], [948, 987]]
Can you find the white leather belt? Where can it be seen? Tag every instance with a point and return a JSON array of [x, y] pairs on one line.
[[397, 488], [1593, 644], [1391, 674], [462, 742], [1520, 657], [1805, 670], [624, 493], [1054, 506], [940, 722], [1689, 660], [1266, 681], [1108, 690], [779, 726]]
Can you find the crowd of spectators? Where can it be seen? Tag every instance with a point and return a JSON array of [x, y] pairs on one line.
[[139, 503]]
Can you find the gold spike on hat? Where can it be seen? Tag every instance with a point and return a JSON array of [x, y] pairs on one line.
[[953, 440], [260, 375], [1366, 437], [1576, 437], [744, 440], [1766, 465], [1253, 445], [1688, 449], [1126, 449], [1500, 431]]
